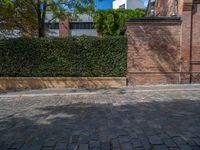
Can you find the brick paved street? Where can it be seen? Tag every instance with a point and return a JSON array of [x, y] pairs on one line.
[[113, 119]]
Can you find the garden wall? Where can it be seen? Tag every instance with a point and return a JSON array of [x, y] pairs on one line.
[[63, 62], [154, 50]]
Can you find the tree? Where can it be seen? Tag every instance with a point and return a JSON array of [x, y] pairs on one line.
[[110, 22], [24, 13], [18, 15]]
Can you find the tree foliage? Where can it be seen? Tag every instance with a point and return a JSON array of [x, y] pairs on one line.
[[110, 22], [18, 14], [31, 14]]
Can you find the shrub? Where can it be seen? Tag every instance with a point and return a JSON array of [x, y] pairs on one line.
[[110, 22], [72, 56]]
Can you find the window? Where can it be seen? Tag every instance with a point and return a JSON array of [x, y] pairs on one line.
[[81, 25], [52, 25], [122, 6]]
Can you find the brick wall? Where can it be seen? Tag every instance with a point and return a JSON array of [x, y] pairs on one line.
[[191, 42], [164, 49], [154, 51], [185, 46], [196, 43]]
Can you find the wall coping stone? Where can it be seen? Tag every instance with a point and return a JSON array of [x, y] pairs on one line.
[[60, 82], [156, 19]]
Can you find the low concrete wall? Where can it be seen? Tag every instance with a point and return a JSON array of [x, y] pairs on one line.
[[59, 82]]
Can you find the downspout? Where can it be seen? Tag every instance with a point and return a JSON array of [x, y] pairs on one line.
[[191, 39], [174, 7], [152, 7]]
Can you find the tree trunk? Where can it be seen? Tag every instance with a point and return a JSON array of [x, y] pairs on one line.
[[41, 19], [41, 29]]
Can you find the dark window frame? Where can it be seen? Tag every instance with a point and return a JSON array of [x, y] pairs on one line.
[[122, 6], [81, 25], [52, 26]]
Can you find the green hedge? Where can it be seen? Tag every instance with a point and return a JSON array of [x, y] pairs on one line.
[[72, 56]]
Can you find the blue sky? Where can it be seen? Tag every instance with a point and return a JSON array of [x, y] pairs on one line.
[[105, 4]]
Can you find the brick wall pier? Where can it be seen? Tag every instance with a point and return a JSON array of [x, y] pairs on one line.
[[154, 55]]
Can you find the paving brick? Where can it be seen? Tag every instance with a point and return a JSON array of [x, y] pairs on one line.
[[94, 144], [164, 136], [35, 147], [169, 143], [146, 144], [17, 145], [115, 143], [124, 139], [72, 146], [185, 147], [126, 146], [5, 146], [160, 147], [136, 143], [95, 148], [61, 146], [174, 148], [49, 143], [83, 147], [195, 148], [155, 140], [179, 141], [139, 148], [197, 140], [74, 139], [105, 146], [116, 148], [25, 147]]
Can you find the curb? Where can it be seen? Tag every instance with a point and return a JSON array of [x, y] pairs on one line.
[[104, 92]]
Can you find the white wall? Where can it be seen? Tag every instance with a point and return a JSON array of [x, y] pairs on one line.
[[10, 33], [79, 32], [129, 4], [53, 32], [117, 3]]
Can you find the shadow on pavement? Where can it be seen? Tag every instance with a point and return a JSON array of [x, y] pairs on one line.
[[96, 124]]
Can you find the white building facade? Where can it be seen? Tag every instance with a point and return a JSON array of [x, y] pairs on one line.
[[77, 27], [128, 4], [82, 26]]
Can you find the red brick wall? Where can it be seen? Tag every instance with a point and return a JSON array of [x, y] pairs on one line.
[[185, 46], [196, 34], [165, 51], [154, 51], [196, 43]]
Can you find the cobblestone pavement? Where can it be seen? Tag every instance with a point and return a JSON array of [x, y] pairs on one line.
[[145, 120]]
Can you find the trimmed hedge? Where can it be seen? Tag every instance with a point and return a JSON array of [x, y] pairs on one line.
[[69, 57]]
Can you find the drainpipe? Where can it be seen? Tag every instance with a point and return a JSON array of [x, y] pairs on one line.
[[191, 37], [152, 4], [173, 8]]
